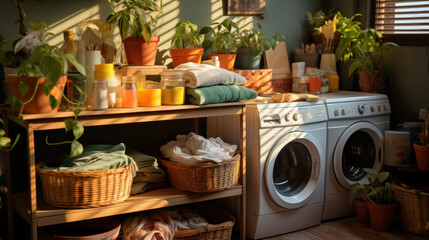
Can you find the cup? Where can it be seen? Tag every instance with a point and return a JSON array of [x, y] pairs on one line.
[[397, 148], [298, 69], [314, 85]]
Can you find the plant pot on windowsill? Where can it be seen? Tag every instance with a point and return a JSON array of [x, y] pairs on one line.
[[184, 55], [246, 59], [226, 60], [139, 52], [422, 156], [40, 102]]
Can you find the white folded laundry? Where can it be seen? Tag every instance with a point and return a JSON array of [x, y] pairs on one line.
[[200, 75]]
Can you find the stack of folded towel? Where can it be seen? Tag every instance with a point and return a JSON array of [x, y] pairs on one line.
[[148, 176], [208, 84]]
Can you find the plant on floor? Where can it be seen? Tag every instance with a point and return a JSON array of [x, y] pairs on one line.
[[223, 37], [137, 18], [76, 127], [380, 188]]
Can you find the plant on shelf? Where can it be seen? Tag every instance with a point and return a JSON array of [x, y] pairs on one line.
[[421, 147], [185, 40], [252, 43], [76, 127], [379, 198], [47, 67], [319, 19], [223, 38], [136, 21], [364, 50]]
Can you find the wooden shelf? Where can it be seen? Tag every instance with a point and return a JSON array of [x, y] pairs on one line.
[[154, 199]]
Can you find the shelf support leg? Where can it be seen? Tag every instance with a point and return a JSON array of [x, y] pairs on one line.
[[8, 180], [32, 180]]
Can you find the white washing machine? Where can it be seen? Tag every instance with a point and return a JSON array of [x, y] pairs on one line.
[[286, 150], [356, 125]]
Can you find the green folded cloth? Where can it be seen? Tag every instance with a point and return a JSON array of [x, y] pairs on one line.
[[142, 160], [219, 94], [96, 157]]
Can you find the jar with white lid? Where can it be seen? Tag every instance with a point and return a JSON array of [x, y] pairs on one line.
[[172, 87], [107, 72]]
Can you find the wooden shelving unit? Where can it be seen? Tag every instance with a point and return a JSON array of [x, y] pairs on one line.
[[37, 213]]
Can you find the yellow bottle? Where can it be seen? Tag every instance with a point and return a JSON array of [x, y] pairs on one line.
[[333, 82], [69, 46]]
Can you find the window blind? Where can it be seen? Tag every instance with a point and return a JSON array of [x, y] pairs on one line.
[[402, 17]]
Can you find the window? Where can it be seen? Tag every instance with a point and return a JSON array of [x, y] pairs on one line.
[[405, 22]]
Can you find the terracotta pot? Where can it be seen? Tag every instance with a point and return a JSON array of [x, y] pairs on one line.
[[226, 60], [40, 103], [184, 55], [139, 52], [361, 211], [422, 156], [380, 215], [371, 83], [246, 60]]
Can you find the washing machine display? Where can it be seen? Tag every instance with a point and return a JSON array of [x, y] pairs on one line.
[[360, 146], [293, 170]]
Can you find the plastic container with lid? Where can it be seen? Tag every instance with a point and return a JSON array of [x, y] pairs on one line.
[[100, 95], [129, 92], [172, 87], [333, 79], [106, 72]]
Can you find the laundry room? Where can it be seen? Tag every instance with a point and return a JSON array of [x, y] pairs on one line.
[[214, 119]]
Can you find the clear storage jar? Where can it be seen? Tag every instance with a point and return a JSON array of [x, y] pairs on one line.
[[172, 87], [129, 92], [99, 97]]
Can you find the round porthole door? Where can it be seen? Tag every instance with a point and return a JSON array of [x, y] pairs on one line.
[[359, 147], [292, 169]]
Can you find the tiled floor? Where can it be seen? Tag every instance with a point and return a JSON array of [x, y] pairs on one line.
[[348, 229]]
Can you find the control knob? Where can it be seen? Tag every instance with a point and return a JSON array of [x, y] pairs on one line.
[[296, 116], [361, 109], [372, 108]]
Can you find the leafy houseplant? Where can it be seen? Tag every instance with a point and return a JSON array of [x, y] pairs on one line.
[[378, 194], [252, 43], [136, 21], [46, 67], [186, 39], [223, 37], [364, 50], [421, 148]]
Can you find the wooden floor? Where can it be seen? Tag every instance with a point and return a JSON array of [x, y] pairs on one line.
[[350, 229]]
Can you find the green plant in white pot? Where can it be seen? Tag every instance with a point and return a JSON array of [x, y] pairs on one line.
[[222, 40], [252, 43], [185, 40], [136, 20]]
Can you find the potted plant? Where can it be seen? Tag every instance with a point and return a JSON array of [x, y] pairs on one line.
[[136, 21], [186, 39], [360, 191], [422, 148], [379, 199], [252, 43], [40, 80], [319, 19], [364, 51], [223, 37]]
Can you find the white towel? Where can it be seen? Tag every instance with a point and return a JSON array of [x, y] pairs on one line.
[[193, 149], [200, 75]]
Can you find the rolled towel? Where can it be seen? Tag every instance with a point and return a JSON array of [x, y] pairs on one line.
[[199, 75], [219, 94]]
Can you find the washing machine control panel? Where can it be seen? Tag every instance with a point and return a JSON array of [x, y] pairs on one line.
[[358, 109], [273, 117]]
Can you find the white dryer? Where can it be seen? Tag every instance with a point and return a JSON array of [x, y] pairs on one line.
[[286, 150], [356, 125]]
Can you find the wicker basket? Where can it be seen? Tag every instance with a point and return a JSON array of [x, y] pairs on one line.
[[413, 210], [219, 228], [204, 177], [85, 189]]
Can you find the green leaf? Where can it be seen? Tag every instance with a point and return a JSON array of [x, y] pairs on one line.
[[79, 67], [2, 132], [383, 176], [370, 171], [46, 89], [76, 112], [76, 149], [68, 124], [4, 142], [53, 102], [77, 129], [23, 88], [51, 68]]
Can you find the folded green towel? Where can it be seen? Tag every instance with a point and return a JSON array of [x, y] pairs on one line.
[[219, 94], [96, 157]]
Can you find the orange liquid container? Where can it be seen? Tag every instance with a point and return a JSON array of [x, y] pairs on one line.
[[150, 97], [129, 92]]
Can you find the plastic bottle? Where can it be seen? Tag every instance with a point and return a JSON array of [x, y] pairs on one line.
[[91, 59], [173, 87], [69, 46], [216, 61], [129, 92], [333, 79], [99, 90], [106, 72]]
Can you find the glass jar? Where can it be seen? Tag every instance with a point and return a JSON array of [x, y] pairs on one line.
[[107, 72], [172, 87], [129, 92], [333, 81], [99, 95]]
